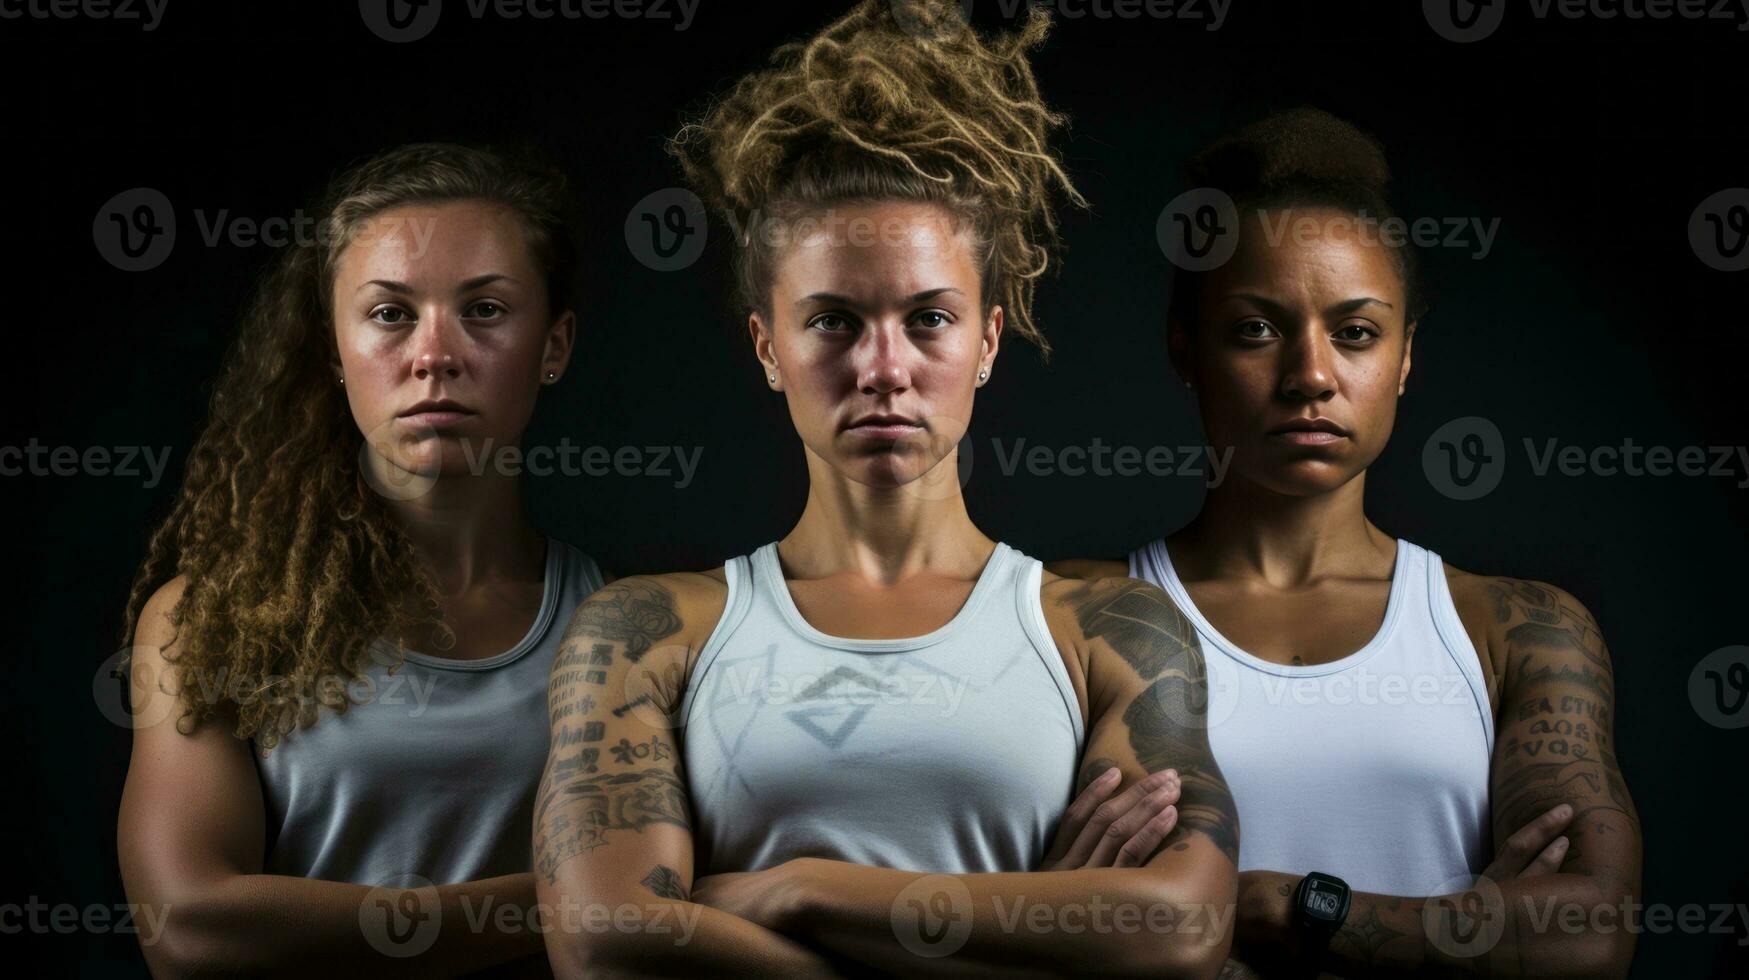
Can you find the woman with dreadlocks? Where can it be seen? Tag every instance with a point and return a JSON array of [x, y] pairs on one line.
[[857, 743], [348, 616]]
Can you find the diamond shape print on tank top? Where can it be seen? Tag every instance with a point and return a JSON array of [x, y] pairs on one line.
[[849, 716]]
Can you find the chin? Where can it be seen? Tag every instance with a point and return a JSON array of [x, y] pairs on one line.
[[1302, 478]]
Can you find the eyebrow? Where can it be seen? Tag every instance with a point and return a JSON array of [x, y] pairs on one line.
[[922, 297], [1340, 309], [470, 284]]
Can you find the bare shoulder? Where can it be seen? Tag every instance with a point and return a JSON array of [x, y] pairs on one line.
[[156, 626], [1089, 568], [1520, 616], [668, 609], [1134, 619]]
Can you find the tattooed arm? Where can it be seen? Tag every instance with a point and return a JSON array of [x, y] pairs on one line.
[[1168, 917], [1555, 780], [612, 825]]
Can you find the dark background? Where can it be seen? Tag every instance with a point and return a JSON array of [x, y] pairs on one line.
[[1592, 320]]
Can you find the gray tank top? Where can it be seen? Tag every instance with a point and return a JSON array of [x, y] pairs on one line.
[[950, 752], [435, 774]]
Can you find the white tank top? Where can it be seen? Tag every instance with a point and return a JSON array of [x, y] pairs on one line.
[[950, 752], [1373, 767]]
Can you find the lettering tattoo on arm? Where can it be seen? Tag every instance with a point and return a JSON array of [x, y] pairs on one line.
[[1555, 742], [1167, 720], [580, 798]]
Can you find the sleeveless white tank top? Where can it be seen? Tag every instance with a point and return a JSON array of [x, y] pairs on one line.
[[434, 775], [1373, 767], [951, 752]]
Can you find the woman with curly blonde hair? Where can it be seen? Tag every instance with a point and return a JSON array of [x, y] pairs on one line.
[[859, 743], [348, 618]]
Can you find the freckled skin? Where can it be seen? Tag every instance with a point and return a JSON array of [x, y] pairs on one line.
[[1275, 341], [877, 345], [486, 346]]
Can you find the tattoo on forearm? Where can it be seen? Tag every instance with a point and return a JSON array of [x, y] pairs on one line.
[[574, 814], [665, 882], [1168, 729], [1555, 741], [636, 614]]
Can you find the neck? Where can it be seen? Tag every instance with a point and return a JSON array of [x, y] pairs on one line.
[[884, 533], [1248, 531], [469, 529]]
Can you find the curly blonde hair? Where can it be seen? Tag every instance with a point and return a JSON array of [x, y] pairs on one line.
[[896, 100], [293, 565]]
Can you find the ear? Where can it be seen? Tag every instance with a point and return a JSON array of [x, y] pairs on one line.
[[764, 349], [992, 339], [561, 340], [1179, 347], [1408, 348]]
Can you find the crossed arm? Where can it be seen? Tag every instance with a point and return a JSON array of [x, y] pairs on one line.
[[1565, 829], [613, 827]]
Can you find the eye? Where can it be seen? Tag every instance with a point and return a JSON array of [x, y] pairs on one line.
[[829, 323], [1255, 329], [934, 319], [390, 315], [485, 310], [1357, 333]]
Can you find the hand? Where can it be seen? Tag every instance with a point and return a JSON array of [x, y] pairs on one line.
[[768, 898], [1103, 831], [1537, 849]]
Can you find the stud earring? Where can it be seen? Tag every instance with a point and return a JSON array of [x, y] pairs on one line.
[[551, 377], [982, 374], [343, 379], [771, 378]]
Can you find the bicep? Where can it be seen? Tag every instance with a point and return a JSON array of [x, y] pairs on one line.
[[612, 815], [1556, 738], [191, 806]]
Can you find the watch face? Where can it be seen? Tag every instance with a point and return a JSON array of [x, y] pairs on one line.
[[1322, 901]]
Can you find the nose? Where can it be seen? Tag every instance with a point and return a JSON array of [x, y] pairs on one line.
[[882, 353], [1309, 371], [436, 349]]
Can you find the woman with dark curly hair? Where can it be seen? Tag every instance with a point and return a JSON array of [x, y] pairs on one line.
[[857, 743], [348, 614]]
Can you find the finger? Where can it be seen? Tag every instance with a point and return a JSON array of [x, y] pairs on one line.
[[1549, 861], [1126, 826], [1076, 816], [1094, 835], [1524, 846], [1139, 848]]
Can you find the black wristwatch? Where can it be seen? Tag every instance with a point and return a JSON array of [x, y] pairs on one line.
[[1320, 908]]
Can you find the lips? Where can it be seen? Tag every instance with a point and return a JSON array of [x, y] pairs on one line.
[[1316, 431], [437, 406], [884, 426]]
